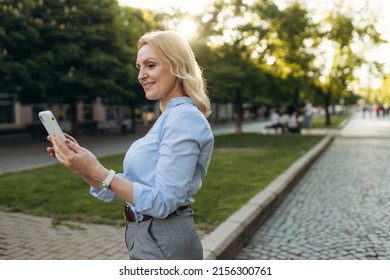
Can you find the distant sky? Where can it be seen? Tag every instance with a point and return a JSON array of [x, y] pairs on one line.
[[380, 8]]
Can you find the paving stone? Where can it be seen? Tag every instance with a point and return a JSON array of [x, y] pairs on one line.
[[334, 208]]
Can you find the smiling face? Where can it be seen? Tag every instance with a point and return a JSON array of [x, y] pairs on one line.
[[155, 76]]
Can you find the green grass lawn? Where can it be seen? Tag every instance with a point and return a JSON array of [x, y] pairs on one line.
[[335, 120], [241, 166]]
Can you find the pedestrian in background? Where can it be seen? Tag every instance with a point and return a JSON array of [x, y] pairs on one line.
[[277, 121], [164, 169], [308, 113], [292, 124]]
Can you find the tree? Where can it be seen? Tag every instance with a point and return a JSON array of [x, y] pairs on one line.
[[291, 60], [89, 57], [383, 93], [20, 66], [132, 24], [341, 32], [230, 30], [64, 52], [260, 54]]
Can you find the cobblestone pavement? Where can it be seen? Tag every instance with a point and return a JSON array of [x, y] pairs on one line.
[[341, 207], [24, 237]]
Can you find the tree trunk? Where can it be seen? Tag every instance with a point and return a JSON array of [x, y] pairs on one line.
[[327, 105], [238, 109]]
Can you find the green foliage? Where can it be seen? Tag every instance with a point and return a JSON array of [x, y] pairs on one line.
[[273, 56], [383, 93], [63, 52], [342, 32]]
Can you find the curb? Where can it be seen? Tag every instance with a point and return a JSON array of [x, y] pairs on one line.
[[226, 241], [344, 122]]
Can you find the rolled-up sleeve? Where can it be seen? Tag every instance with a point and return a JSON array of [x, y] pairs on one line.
[[104, 195]]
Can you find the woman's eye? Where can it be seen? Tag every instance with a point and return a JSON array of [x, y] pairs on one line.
[[148, 66]]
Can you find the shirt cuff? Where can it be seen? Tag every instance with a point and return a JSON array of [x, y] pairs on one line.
[[142, 200], [104, 195]]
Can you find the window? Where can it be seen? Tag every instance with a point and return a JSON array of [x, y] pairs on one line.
[[88, 112], [118, 112], [113, 112], [36, 108], [7, 110]]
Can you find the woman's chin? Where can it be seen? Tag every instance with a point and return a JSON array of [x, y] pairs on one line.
[[151, 96]]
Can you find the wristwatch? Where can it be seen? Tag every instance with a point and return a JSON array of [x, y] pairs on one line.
[[106, 183]]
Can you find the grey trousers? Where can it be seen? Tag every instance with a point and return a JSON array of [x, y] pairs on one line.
[[173, 238]]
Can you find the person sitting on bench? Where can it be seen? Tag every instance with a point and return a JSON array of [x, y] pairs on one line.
[[276, 121], [293, 125]]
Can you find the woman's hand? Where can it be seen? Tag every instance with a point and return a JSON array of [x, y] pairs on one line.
[[77, 159], [83, 163], [51, 150]]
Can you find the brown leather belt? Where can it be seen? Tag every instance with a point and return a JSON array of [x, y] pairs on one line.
[[130, 216]]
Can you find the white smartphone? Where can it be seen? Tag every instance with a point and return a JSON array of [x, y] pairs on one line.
[[49, 121]]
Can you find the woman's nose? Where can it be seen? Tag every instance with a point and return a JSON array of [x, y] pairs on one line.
[[142, 74]]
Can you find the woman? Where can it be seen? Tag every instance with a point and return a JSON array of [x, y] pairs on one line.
[[164, 169], [293, 125]]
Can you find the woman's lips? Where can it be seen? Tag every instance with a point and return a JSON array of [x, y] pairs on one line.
[[148, 86]]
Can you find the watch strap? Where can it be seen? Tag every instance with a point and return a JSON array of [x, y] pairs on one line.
[[106, 183]]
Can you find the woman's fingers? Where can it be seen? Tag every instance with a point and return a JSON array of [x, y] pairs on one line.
[[61, 149], [78, 159], [68, 137], [51, 151]]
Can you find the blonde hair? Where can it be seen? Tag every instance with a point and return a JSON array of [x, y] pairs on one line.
[[176, 50]]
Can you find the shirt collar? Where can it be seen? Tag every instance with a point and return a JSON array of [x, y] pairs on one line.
[[179, 100]]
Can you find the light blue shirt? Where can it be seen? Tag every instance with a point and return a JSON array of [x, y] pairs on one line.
[[168, 164]]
